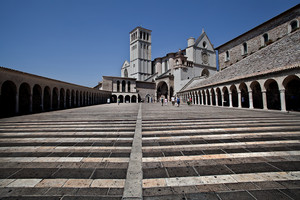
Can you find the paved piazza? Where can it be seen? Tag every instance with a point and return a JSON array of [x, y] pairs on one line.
[[149, 151]]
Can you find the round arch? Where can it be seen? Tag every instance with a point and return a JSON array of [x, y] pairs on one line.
[[8, 99], [256, 94], [62, 98], [273, 95], [226, 96], [121, 98], [37, 99], [127, 99], [213, 96], [24, 98], [234, 96], [133, 99], [244, 95], [292, 92], [55, 99], [162, 90], [47, 98], [205, 73], [218, 90]]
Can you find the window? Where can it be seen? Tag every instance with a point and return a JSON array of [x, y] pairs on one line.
[[266, 38], [125, 73], [293, 26], [227, 58], [245, 48], [204, 44]]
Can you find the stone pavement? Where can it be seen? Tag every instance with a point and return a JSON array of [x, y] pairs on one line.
[[149, 151]]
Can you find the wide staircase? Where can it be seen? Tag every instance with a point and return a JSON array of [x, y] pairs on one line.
[[149, 151]]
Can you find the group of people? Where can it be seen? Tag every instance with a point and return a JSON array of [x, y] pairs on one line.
[[173, 100]]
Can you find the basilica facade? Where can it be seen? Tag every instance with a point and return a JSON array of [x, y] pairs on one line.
[[257, 70]]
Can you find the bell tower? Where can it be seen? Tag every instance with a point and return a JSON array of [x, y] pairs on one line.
[[140, 53]]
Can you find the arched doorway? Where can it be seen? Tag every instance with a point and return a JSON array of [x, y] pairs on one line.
[[213, 95], [133, 99], [55, 99], [234, 96], [121, 98], [114, 98], [208, 97], [68, 98], [219, 97], [226, 96], [127, 99], [244, 95], [273, 96], [37, 99], [62, 98], [292, 92], [47, 98], [24, 98], [162, 90], [204, 97], [256, 95], [123, 86], [8, 99]]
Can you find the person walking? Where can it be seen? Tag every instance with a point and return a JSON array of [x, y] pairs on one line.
[[118, 101], [178, 101], [173, 101], [162, 101], [166, 101]]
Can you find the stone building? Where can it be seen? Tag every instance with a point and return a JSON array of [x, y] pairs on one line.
[[24, 93], [258, 69], [172, 72], [128, 90]]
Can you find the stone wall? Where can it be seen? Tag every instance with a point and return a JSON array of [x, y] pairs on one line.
[[276, 29]]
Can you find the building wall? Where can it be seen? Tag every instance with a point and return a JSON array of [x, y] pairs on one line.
[[145, 88], [276, 28]]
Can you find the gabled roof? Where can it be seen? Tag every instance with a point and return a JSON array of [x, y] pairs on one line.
[[199, 39], [125, 63]]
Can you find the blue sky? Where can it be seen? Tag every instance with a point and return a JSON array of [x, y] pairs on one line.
[[79, 41]]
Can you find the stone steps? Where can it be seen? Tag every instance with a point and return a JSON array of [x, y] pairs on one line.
[[188, 152]]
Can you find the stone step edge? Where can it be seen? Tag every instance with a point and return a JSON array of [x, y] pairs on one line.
[[221, 179], [152, 183], [231, 145]]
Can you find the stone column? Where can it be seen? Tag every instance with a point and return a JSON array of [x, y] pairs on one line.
[[222, 99], [282, 100], [264, 99], [58, 100], [42, 100], [137, 100], [65, 97], [210, 96], [230, 99], [250, 99], [239, 99], [126, 87], [30, 102], [17, 102], [202, 98]]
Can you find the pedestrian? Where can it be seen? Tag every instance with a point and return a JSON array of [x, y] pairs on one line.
[[178, 101], [173, 101], [166, 101], [162, 101], [118, 101]]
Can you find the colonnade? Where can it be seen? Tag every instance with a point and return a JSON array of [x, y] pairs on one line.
[[281, 93]]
